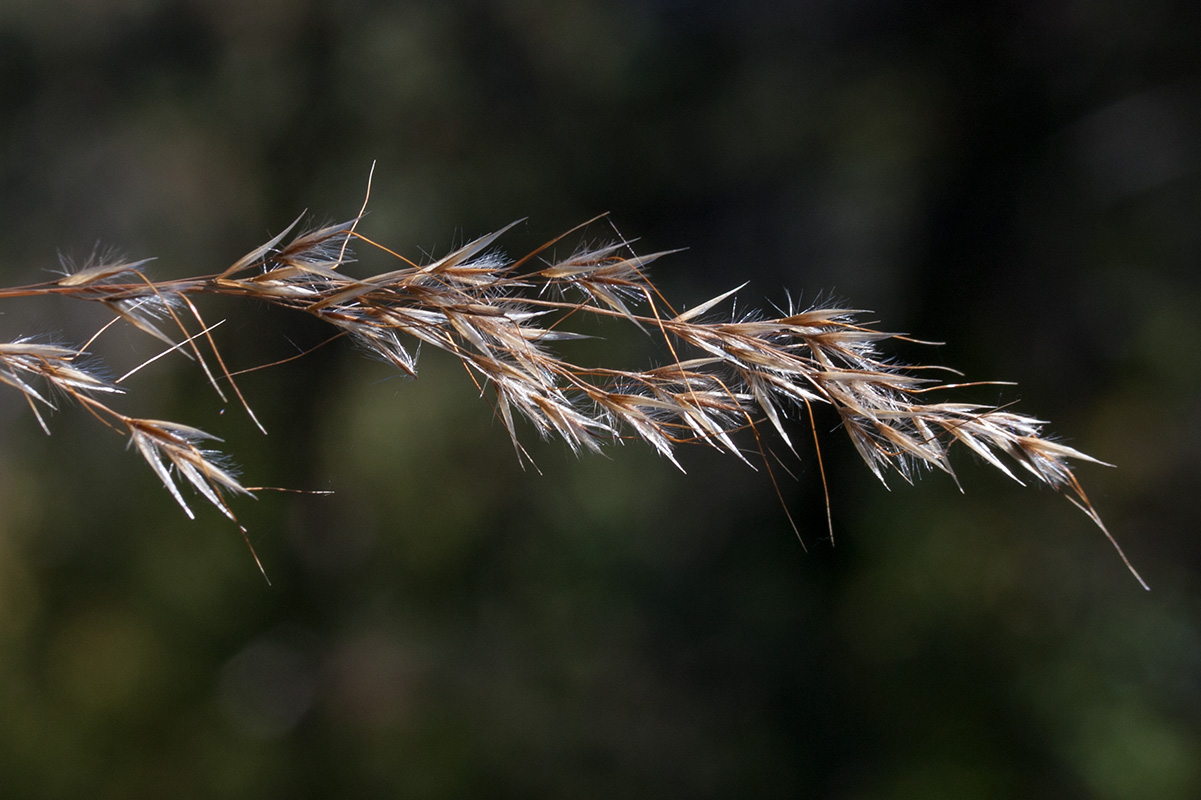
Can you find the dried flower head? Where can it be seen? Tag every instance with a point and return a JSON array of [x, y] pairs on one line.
[[505, 321]]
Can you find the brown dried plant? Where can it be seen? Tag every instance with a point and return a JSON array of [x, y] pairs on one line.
[[503, 320]]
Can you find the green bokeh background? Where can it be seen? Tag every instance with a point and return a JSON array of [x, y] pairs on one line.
[[1020, 180]]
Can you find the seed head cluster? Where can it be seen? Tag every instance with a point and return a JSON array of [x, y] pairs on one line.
[[727, 382]]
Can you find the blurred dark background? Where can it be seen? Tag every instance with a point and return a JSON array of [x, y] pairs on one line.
[[1019, 180]]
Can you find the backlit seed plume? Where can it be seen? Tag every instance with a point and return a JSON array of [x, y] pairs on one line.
[[729, 382]]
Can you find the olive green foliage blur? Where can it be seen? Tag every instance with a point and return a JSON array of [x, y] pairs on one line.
[[1021, 183]]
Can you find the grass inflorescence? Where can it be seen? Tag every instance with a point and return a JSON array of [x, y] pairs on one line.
[[728, 384]]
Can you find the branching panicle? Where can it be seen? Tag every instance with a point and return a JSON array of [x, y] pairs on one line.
[[504, 320]]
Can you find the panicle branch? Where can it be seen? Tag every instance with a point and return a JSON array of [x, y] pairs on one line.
[[507, 322]]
